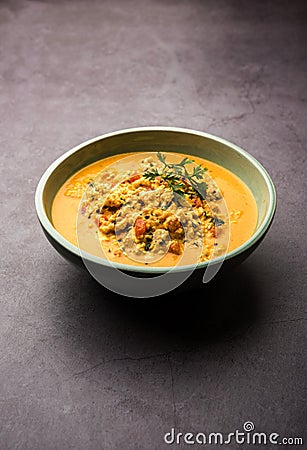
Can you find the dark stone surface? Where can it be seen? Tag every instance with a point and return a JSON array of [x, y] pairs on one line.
[[82, 369]]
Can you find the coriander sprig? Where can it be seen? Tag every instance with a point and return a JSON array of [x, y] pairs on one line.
[[175, 173], [173, 181]]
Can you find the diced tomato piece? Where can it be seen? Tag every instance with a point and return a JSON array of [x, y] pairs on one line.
[[197, 202], [134, 178], [140, 227], [98, 219]]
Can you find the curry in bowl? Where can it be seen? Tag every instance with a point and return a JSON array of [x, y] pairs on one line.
[[155, 208], [148, 217]]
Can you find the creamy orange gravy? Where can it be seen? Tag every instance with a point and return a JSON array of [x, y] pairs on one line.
[[239, 200]]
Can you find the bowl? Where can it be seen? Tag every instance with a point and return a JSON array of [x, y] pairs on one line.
[[179, 140]]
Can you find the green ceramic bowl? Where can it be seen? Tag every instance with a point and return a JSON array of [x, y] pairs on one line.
[[179, 140]]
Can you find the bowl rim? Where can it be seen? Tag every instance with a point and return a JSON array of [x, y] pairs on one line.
[[49, 228]]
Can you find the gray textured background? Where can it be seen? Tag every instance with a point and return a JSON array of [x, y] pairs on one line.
[[81, 368]]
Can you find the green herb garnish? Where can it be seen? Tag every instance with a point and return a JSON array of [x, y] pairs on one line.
[[173, 181], [176, 174]]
